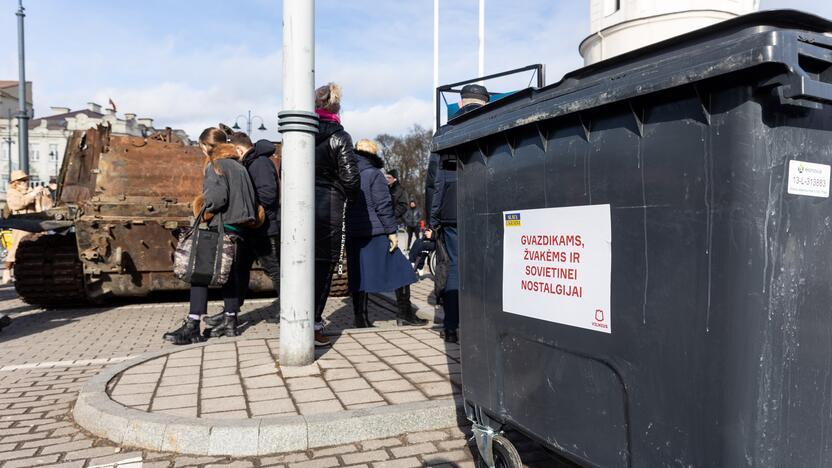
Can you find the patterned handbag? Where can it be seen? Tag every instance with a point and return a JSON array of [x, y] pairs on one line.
[[203, 257]]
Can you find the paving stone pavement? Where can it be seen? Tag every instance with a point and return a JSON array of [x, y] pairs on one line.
[[46, 356], [241, 379]]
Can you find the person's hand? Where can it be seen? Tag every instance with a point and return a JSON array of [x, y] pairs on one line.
[[394, 241]]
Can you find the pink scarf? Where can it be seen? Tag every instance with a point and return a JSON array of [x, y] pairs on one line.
[[327, 116]]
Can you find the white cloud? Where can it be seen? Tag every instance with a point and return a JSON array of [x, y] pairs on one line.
[[395, 118], [380, 52]]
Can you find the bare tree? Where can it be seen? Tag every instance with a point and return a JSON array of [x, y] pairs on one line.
[[409, 154]]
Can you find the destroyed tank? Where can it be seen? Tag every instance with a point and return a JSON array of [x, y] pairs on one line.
[[112, 231]]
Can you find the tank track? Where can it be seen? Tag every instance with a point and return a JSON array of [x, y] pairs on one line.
[[48, 271]]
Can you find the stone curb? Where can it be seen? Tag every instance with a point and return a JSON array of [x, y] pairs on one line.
[[96, 412]]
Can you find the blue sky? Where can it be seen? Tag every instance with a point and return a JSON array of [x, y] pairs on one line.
[[190, 64]]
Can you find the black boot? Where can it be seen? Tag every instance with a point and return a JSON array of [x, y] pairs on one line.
[[449, 336], [360, 305], [405, 315], [228, 327], [186, 334], [215, 320]]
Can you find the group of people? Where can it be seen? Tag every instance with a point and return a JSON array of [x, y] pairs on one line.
[[354, 217]]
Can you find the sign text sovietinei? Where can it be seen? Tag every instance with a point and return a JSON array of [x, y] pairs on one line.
[[556, 265]]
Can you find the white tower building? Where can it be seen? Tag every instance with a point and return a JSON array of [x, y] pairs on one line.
[[619, 26]]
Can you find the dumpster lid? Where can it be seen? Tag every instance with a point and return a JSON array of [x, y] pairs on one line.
[[726, 47]]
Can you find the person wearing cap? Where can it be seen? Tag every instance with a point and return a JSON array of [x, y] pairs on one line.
[[440, 204], [20, 199]]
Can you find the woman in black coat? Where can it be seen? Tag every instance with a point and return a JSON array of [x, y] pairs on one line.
[[375, 262], [336, 181]]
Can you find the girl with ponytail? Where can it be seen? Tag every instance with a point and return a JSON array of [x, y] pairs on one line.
[[226, 191]]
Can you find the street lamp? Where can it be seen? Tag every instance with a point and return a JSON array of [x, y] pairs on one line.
[[249, 118]]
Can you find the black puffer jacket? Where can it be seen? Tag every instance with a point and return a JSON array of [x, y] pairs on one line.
[[266, 184], [336, 180]]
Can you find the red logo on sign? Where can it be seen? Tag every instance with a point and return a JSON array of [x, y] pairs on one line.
[[599, 315]]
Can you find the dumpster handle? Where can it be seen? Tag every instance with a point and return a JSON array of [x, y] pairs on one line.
[[810, 79]]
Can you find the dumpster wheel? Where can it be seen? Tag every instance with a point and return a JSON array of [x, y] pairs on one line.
[[504, 453]]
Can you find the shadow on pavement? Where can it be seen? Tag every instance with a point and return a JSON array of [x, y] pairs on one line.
[[36, 321], [269, 313]]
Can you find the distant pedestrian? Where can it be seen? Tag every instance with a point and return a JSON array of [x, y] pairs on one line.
[[420, 250], [336, 181], [412, 222], [441, 185], [53, 190], [226, 191], [398, 194], [376, 264]]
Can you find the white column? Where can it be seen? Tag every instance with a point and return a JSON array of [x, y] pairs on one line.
[[435, 59], [298, 124], [481, 35]]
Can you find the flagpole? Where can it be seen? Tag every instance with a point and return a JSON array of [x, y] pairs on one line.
[[481, 51], [435, 61]]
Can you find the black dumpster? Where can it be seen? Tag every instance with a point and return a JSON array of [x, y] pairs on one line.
[[646, 253]]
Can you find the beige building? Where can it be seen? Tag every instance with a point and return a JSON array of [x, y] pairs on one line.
[[48, 137], [9, 101]]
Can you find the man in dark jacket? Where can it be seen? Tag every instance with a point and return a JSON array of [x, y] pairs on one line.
[[442, 185], [262, 243], [398, 194], [336, 180], [412, 220]]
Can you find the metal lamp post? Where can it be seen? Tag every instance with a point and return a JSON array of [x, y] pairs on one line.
[[298, 124], [22, 115], [249, 118]]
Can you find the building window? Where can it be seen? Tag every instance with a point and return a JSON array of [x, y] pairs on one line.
[[53, 153], [611, 6], [34, 153]]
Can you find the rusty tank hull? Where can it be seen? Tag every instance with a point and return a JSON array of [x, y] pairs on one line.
[[112, 232]]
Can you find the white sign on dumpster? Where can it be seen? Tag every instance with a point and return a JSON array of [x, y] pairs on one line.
[[557, 265], [810, 179]]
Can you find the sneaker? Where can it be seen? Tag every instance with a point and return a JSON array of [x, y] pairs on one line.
[[215, 320], [186, 334], [321, 340], [228, 327]]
